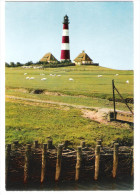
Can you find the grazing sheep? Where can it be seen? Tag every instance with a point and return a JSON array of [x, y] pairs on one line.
[[59, 75], [43, 79], [71, 79], [116, 74], [127, 81], [100, 75], [27, 77], [31, 78], [53, 75], [25, 73]]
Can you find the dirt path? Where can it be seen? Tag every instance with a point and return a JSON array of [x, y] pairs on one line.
[[51, 102]]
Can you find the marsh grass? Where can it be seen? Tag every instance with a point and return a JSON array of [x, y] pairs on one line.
[[97, 91], [27, 123]]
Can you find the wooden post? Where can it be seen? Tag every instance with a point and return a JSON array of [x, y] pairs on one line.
[[78, 163], [43, 168], [113, 87], [115, 160], [27, 163], [83, 144], [58, 162], [132, 170], [15, 144], [66, 142], [8, 150], [99, 142], [36, 144], [50, 144], [97, 162]]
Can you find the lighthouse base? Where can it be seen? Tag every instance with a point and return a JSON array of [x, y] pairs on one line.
[[64, 60]]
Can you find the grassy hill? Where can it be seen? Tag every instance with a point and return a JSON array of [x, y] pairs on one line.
[[85, 80], [26, 121]]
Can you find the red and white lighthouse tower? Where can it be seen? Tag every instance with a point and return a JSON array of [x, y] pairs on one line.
[[65, 49]]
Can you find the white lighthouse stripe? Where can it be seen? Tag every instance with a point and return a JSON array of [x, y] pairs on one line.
[[65, 32], [65, 46]]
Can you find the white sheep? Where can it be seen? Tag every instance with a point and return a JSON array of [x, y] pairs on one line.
[[53, 75], [59, 75], [27, 77], [100, 75], [116, 74], [31, 78], [25, 73], [127, 81], [43, 79], [71, 79]]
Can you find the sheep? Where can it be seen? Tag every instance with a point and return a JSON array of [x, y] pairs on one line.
[[127, 81], [71, 79], [25, 73], [59, 75], [52, 75], [31, 78], [116, 74], [100, 75], [43, 79], [27, 77]]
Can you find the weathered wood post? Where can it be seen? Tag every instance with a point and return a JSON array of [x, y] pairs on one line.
[[49, 144], [115, 160], [43, 168], [83, 144], [27, 163], [58, 162], [36, 144], [97, 162], [66, 143], [113, 88], [15, 144], [78, 163], [99, 142], [132, 170], [8, 150]]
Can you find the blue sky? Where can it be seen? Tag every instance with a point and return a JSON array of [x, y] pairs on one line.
[[103, 29]]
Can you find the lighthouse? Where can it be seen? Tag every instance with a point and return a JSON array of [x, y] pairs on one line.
[[65, 49]]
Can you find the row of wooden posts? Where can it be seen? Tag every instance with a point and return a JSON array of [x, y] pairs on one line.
[[59, 158]]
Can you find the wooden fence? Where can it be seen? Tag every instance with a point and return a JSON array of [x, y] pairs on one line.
[[43, 163]]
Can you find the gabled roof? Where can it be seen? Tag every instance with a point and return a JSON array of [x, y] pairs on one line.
[[48, 57], [82, 57]]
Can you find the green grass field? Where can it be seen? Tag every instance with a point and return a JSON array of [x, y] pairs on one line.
[[86, 81], [27, 122]]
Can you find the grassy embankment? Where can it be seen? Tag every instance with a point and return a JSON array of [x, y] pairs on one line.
[[29, 122]]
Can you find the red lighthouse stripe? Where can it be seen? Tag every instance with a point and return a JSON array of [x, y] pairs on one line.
[[65, 54], [65, 26], [65, 39]]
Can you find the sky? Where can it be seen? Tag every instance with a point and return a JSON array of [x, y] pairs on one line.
[[104, 30]]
